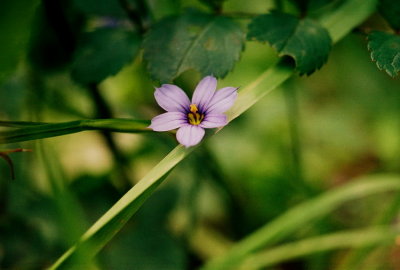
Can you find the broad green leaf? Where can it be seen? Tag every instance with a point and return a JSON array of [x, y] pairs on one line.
[[298, 217], [113, 220], [340, 240], [305, 40], [385, 50], [208, 44], [15, 21], [103, 53], [390, 10], [25, 131]]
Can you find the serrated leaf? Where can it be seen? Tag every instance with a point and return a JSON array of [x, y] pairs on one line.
[[306, 41], [103, 53], [385, 50], [390, 10], [208, 44]]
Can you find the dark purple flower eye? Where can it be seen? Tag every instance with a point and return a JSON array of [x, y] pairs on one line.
[[206, 110]]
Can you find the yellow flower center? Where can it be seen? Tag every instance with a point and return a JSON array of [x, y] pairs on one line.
[[194, 117]]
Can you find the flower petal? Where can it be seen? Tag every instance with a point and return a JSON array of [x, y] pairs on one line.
[[171, 98], [168, 121], [214, 120], [204, 92], [222, 100], [190, 135]]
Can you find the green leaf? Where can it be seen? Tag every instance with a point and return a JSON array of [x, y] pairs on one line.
[[15, 22], [110, 223], [339, 240], [208, 44], [103, 53], [385, 50], [299, 216], [305, 40], [390, 10], [25, 131]]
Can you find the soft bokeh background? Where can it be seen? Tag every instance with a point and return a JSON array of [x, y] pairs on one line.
[[311, 134]]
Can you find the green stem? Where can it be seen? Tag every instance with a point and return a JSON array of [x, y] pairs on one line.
[[33, 131]]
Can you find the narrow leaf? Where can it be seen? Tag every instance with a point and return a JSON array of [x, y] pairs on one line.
[[115, 218], [339, 240], [33, 131], [340, 24], [298, 217], [208, 44], [305, 40], [385, 50]]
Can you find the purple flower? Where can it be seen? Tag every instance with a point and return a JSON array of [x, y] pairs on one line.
[[192, 117]]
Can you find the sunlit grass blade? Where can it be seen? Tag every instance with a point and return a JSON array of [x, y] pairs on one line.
[[340, 240], [300, 216], [112, 221], [26, 131], [115, 218]]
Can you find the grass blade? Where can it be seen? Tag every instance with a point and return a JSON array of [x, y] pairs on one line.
[[301, 215], [27, 131], [114, 219], [339, 240]]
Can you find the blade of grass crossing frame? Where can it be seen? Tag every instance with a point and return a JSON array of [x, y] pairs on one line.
[[339, 240], [114, 219], [301, 215], [27, 131]]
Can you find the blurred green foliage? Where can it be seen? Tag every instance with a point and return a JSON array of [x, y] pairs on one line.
[[311, 136]]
